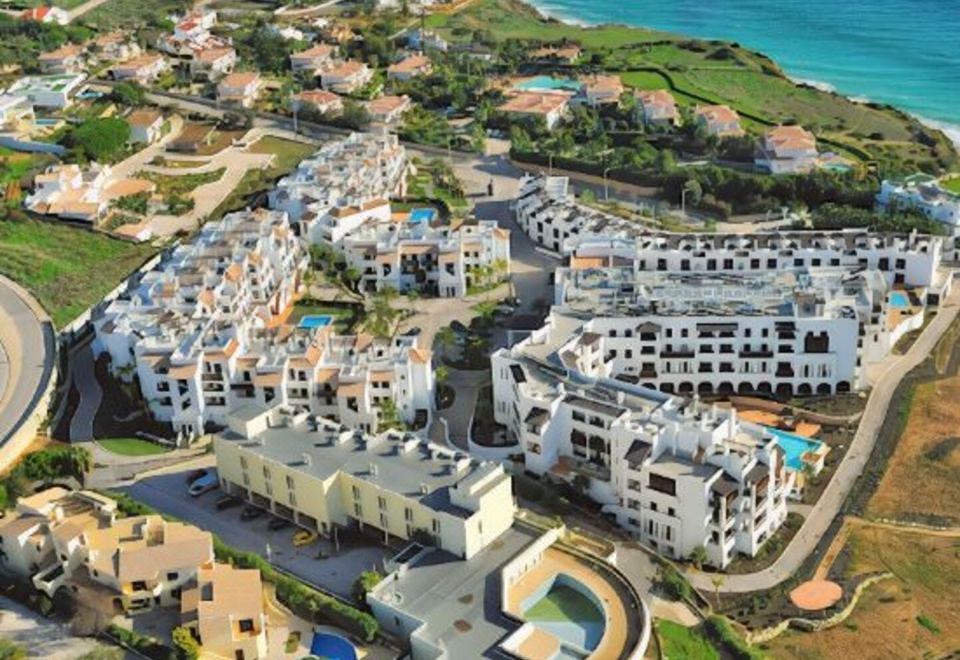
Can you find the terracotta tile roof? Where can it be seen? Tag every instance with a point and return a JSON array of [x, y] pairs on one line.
[[791, 137], [420, 355], [240, 79], [656, 97], [65, 51], [717, 113], [355, 390], [535, 103], [411, 65], [269, 379], [144, 117]]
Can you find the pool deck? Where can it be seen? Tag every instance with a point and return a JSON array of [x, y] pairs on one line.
[[616, 621], [539, 644]]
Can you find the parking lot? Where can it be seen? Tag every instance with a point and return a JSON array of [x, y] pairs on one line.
[[318, 563]]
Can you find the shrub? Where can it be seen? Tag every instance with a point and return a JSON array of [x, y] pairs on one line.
[[147, 646], [185, 643], [928, 623], [674, 584], [720, 630], [364, 583], [100, 139]]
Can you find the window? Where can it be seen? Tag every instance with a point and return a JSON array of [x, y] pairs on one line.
[[289, 481], [266, 472], [139, 585], [436, 526], [382, 502], [356, 492], [171, 576], [357, 510], [663, 484], [246, 625], [408, 514]]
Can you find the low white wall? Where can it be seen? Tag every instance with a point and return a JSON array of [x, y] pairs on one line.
[[523, 562]]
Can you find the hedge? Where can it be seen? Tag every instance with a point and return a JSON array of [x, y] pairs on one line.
[[142, 644], [720, 630], [302, 600]]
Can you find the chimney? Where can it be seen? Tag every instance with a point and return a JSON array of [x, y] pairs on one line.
[[373, 469], [424, 489]]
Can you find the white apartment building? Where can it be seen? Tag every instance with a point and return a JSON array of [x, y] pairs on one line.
[[323, 475], [240, 88], [203, 332], [921, 192], [313, 60], [357, 172], [675, 473], [444, 261], [70, 192], [793, 332], [547, 212]]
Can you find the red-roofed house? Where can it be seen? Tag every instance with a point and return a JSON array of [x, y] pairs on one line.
[[46, 15], [657, 107], [313, 60], [326, 102], [550, 107], [388, 109], [413, 66], [719, 120], [240, 88], [346, 77], [787, 150], [66, 59]]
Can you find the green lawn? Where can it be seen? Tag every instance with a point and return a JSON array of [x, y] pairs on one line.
[[182, 184], [288, 152], [952, 184], [564, 603], [721, 73], [66, 268], [681, 642], [132, 446]]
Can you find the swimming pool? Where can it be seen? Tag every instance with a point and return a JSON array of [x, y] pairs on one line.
[[548, 84], [567, 609], [899, 300], [312, 321], [425, 215], [46, 121], [795, 446], [334, 647]]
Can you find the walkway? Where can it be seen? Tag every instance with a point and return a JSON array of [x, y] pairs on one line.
[[459, 416], [85, 380], [41, 637], [80, 10], [831, 501]]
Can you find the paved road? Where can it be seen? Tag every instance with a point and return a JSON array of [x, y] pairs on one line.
[[28, 347], [828, 506], [467, 385], [41, 637], [85, 380]]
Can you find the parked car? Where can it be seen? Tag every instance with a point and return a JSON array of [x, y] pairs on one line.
[[227, 502], [204, 484], [304, 537], [412, 332], [277, 523], [251, 512], [193, 475]]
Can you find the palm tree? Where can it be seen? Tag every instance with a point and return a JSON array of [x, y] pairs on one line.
[[446, 338], [717, 581]]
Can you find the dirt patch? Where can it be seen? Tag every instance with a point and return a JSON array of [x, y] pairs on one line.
[[921, 482], [887, 620]]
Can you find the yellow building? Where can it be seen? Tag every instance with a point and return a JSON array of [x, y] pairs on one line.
[[320, 475], [224, 610]]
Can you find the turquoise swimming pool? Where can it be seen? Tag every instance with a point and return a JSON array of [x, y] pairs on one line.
[[315, 321], [899, 299], [422, 216], [795, 446], [549, 84]]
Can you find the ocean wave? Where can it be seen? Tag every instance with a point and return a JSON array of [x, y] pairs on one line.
[[816, 84], [952, 131]]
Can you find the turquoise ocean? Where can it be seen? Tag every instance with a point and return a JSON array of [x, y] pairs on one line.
[[902, 52]]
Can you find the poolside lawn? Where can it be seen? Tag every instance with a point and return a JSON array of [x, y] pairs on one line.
[[68, 269], [952, 184], [132, 446], [343, 317], [681, 642]]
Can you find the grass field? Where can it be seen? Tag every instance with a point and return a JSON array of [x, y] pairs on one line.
[[721, 73], [952, 184], [182, 184], [923, 475], [678, 641], [288, 153], [66, 268], [132, 447], [893, 618]]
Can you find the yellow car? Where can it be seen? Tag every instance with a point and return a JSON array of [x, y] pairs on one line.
[[304, 537]]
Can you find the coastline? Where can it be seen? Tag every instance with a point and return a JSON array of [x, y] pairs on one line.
[[949, 129]]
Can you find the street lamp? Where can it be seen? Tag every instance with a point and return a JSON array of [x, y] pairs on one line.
[[606, 187]]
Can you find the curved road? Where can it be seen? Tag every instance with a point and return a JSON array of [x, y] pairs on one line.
[[27, 344], [831, 501]]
